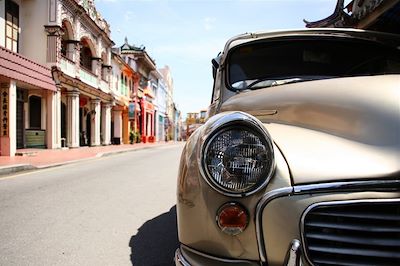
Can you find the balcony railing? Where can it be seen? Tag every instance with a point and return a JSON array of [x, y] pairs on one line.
[[88, 78], [68, 67]]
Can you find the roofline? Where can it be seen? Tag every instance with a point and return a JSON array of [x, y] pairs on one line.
[[122, 61], [142, 54]]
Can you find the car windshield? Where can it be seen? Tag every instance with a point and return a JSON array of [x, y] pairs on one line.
[[277, 62]]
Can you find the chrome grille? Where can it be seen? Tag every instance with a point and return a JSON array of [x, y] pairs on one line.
[[353, 233]]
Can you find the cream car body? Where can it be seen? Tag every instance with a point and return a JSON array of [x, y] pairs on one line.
[[334, 151]]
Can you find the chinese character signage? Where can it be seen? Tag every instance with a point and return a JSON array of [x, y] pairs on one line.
[[131, 111], [4, 112]]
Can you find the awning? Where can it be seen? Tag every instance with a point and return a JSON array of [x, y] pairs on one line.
[[17, 67]]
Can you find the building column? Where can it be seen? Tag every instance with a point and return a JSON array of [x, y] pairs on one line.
[[117, 126], [8, 118], [125, 127], [73, 119], [106, 123], [53, 119], [54, 33], [156, 127], [152, 124], [95, 123], [144, 126]]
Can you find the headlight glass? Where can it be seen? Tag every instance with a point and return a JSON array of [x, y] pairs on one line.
[[238, 159]]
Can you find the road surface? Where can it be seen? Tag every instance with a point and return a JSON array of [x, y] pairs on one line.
[[116, 210]]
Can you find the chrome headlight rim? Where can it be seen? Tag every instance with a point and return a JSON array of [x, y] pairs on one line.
[[237, 120]]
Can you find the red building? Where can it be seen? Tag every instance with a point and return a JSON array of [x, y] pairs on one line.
[[143, 95]]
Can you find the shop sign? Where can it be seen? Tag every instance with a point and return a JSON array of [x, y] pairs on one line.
[[131, 111], [4, 112]]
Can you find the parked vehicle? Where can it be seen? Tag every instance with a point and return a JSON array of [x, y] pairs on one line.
[[299, 163]]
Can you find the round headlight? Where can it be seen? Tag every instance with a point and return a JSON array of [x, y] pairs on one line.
[[238, 159]]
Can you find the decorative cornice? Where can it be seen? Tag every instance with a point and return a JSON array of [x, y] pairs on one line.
[[76, 8], [53, 30], [338, 19]]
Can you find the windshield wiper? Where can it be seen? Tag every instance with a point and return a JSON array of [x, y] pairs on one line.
[[270, 83]]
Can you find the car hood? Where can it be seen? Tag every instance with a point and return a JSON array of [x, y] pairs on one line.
[[331, 130]]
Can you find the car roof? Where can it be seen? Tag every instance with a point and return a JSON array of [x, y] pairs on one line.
[[388, 38]]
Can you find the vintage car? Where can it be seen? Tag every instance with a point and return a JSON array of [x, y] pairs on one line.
[[299, 160]]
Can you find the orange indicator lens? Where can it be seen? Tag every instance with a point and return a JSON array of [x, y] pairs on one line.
[[232, 218]]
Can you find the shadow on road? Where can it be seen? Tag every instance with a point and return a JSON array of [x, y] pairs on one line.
[[156, 241]]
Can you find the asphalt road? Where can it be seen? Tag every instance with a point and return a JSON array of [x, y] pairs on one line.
[[116, 210]]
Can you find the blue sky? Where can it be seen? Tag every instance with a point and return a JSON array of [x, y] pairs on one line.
[[186, 35]]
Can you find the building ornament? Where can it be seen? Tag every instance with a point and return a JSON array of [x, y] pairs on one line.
[[53, 30], [85, 11], [90, 8], [361, 8], [66, 14]]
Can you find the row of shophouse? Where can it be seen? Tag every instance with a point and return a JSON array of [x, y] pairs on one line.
[[64, 84], [193, 121]]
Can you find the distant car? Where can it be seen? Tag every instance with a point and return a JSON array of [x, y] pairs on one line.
[[299, 162]]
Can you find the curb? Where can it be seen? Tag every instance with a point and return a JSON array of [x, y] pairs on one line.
[[6, 170], [110, 153], [12, 169]]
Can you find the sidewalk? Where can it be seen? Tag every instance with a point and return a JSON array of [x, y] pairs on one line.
[[43, 158]]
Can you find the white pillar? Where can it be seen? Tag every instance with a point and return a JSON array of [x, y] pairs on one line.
[[118, 125], [43, 114], [57, 125], [106, 124], [95, 123], [53, 119], [8, 118], [26, 114], [73, 119]]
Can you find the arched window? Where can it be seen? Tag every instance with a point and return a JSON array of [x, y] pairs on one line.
[[85, 55], [64, 41], [35, 112], [67, 48]]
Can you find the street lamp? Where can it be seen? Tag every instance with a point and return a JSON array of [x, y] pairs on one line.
[[55, 73]]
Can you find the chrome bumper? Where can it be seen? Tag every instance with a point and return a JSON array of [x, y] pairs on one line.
[[180, 259], [293, 255], [185, 256]]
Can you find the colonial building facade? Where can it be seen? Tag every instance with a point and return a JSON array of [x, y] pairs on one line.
[[123, 78], [79, 50], [29, 97], [62, 85], [143, 99]]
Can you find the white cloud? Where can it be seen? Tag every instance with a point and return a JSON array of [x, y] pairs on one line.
[[208, 23], [128, 16]]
